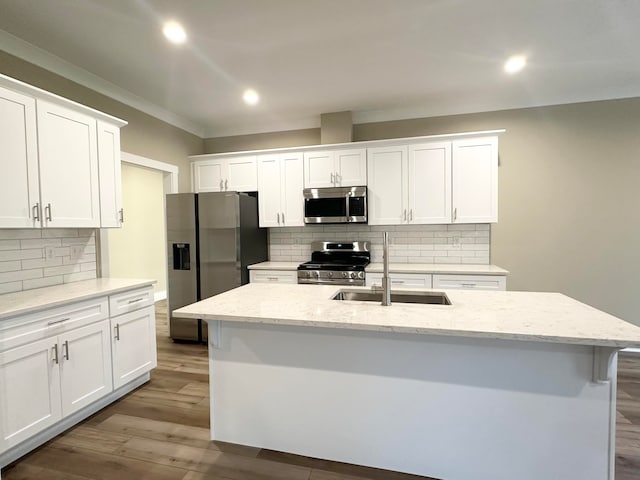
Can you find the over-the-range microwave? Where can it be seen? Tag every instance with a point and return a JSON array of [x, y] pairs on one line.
[[335, 205]]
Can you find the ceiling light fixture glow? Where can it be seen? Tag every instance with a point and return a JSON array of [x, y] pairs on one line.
[[515, 64], [174, 32], [250, 96]]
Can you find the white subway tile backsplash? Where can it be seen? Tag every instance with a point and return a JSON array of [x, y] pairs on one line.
[[460, 243], [23, 265]]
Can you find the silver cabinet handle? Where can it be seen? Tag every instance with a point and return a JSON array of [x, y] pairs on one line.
[[221, 185], [397, 281], [468, 285], [272, 279], [283, 218], [455, 214], [65, 350], [36, 212], [404, 215], [333, 180], [278, 215], [55, 353], [338, 178], [122, 215], [54, 322], [136, 300], [226, 185], [411, 214], [117, 331], [47, 212]]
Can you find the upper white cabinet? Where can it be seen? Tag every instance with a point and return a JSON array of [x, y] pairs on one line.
[[475, 180], [434, 183], [280, 185], [61, 161], [237, 174], [339, 168], [19, 189]]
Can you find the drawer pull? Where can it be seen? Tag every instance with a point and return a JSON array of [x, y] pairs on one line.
[[55, 353], [136, 300], [397, 281], [468, 285], [117, 331], [272, 279], [58, 321], [65, 350]]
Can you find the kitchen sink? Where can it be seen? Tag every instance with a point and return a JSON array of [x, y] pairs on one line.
[[428, 298]]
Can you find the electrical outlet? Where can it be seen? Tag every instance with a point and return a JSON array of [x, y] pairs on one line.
[[76, 251], [49, 253], [455, 242]]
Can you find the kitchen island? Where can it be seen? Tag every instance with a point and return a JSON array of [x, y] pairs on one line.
[[497, 385]]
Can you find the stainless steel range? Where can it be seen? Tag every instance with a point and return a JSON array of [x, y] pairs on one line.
[[336, 263]]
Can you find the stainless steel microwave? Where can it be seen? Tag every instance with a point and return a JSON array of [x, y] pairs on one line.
[[335, 205]]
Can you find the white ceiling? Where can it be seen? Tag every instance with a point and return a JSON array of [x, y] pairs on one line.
[[381, 59]]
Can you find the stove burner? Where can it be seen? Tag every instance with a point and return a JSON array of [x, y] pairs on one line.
[[336, 263]]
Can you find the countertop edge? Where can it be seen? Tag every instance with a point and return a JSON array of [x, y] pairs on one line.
[[95, 290], [445, 268]]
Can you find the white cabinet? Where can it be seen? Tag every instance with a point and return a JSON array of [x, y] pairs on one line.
[[29, 391], [61, 161], [429, 192], [110, 174], [19, 189], [85, 366], [273, 276], [134, 345], [399, 280], [280, 185], [475, 180], [387, 177], [238, 174], [470, 282], [68, 152], [339, 168]]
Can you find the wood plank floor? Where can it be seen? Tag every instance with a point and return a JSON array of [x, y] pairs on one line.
[[161, 432]]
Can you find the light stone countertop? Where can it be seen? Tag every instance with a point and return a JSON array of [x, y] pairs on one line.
[[274, 266], [19, 303], [526, 316], [446, 268]]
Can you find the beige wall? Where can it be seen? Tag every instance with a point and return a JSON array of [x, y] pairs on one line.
[[137, 250], [291, 138], [569, 207], [144, 135]]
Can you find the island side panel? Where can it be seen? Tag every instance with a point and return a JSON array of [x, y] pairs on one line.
[[453, 408]]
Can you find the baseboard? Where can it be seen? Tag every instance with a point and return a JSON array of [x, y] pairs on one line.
[[157, 296], [14, 453], [631, 350]]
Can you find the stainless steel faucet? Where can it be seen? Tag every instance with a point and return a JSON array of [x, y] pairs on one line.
[[386, 284]]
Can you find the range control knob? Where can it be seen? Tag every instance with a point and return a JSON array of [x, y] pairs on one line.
[[345, 274], [330, 274], [315, 274], [360, 274], [352, 275]]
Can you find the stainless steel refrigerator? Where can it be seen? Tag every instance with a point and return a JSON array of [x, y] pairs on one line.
[[212, 237]]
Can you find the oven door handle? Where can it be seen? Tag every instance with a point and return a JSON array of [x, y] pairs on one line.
[[348, 203]]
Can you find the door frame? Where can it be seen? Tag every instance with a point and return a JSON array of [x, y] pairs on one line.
[[170, 185]]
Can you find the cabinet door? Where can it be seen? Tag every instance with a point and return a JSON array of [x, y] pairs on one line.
[[19, 190], [109, 165], [85, 366], [470, 282], [269, 190], [475, 180], [387, 179], [351, 167], [430, 183], [29, 391], [242, 174], [273, 276], [292, 201], [319, 170], [208, 175], [68, 152], [399, 280], [134, 345]]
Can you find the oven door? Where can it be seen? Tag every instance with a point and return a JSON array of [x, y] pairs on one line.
[[335, 205]]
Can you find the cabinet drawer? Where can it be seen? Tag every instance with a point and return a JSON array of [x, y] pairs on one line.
[[53, 321], [273, 276], [409, 280], [130, 301], [470, 282]]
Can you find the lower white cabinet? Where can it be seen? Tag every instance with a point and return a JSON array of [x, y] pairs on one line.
[[470, 282], [409, 280], [273, 276], [134, 345], [56, 362]]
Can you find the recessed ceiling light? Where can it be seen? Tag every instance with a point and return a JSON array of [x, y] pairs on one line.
[[250, 96], [174, 32], [515, 64]]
